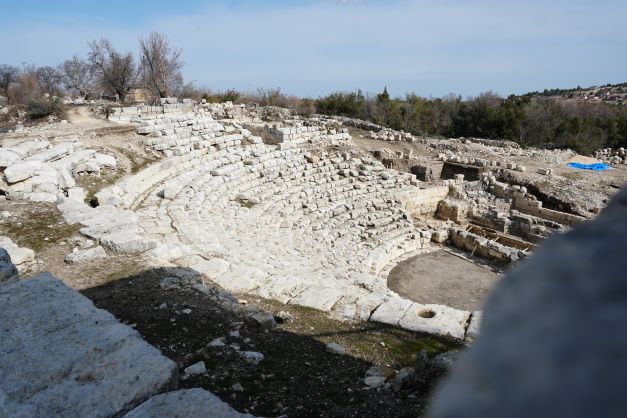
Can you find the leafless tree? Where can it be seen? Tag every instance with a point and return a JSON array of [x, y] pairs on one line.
[[8, 75], [160, 65], [25, 87], [77, 75], [49, 79], [115, 72]]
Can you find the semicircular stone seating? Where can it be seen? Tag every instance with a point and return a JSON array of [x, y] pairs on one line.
[[296, 221]]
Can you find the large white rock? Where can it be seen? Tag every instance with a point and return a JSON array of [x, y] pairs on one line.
[[26, 148], [22, 171], [186, 403], [61, 356], [105, 160], [53, 153], [436, 319], [19, 255], [319, 297], [43, 197], [391, 311], [127, 242], [65, 179], [82, 256], [8, 158]]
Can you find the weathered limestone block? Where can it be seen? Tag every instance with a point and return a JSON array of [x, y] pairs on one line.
[[19, 255], [27, 148], [61, 356], [53, 153], [436, 319], [319, 297], [42, 197], [391, 311], [65, 179], [186, 403], [127, 242], [82, 256], [22, 171], [8, 158]]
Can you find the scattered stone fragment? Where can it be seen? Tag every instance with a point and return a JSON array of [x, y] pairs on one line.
[[217, 343], [19, 255], [402, 378], [381, 371], [284, 317], [83, 256], [195, 369], [374, 381], [262, 320], [335, 349], [252, 357]]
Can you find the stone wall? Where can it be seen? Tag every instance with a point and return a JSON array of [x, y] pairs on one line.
[[484, 247], [132, 113], [423, 201], [534, 207]]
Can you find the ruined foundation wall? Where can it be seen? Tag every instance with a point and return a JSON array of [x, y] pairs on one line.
[[534, 207], [419, 202]]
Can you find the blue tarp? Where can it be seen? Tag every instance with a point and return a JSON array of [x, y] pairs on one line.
[[593, 167]]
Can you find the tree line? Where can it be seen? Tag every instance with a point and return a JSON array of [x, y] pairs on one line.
[[528, 120], [105, 72]]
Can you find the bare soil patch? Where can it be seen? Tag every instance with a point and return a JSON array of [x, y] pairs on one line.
[[442, 278]]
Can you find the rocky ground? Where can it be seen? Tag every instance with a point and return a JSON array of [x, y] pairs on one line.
[[297, 375]]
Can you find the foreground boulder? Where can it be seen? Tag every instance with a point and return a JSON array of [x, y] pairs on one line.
[[552, 341], [61, 356]]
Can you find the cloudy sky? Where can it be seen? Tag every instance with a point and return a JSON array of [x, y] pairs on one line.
[[312, 47]]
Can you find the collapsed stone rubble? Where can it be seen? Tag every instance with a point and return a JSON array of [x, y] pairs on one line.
[[39, 170]]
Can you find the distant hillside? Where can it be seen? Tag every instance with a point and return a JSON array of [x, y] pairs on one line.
[[608, 93]]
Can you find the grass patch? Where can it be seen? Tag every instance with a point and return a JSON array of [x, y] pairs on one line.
[[245, 203], [39, 227], [368, 341], [93, 183]]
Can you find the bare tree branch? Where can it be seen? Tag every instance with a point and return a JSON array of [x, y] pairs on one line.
[[160, 65], [115, 72]]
